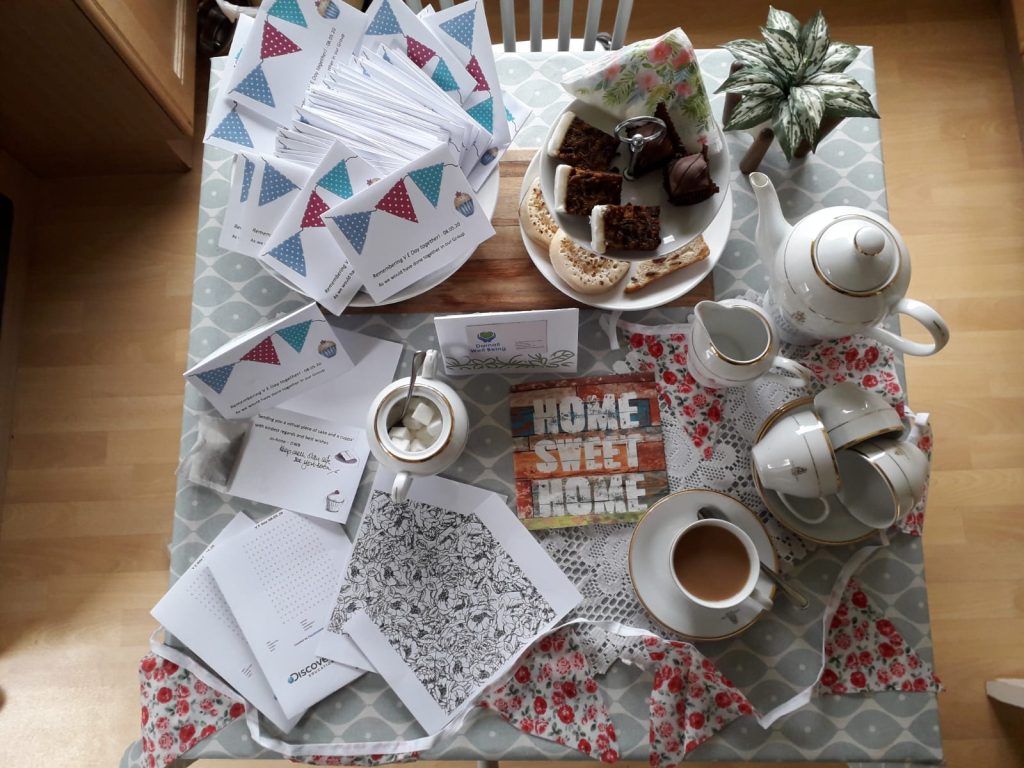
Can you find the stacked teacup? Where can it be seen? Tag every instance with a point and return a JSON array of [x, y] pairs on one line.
[[846, 448]]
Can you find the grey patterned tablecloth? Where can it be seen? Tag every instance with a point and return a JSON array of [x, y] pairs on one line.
[[775, 658]]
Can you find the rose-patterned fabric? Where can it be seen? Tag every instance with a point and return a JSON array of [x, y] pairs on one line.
[[552, 694], [691, 699], [178, 710], [865, 652], [633, 80], [699, 408]]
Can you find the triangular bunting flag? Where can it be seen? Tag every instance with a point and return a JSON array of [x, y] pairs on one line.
[[418, 52], [289, 253], [474, 69], [263, 352], [247, 172], [274, 185], [429, 181], [295, 335], [217, 378], [397, 203], [461, 27], [289, 11], [232, 129], [483, 113], [384, 22], [315, 206], [275, 44], [443, 77], [337, 181], [255, 86], [509, 116], [865, 652], [354, 226]]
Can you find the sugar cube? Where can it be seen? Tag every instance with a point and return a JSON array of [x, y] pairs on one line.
[[401, 443], [400, 433], [417, 445], [421, 414], [433, 429]]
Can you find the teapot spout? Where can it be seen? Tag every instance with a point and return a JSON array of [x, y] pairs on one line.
[[772, 227]]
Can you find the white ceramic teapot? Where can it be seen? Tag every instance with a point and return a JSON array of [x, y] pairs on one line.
[[837, 272], [385, 413]]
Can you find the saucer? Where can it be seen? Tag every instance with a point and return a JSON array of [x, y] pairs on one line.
[[840, 527], [657, 590]]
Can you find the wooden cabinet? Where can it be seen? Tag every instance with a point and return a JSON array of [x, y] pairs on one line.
[[97, 86]]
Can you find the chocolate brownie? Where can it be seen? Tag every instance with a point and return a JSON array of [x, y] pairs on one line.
[[578, 190], [625, 228]]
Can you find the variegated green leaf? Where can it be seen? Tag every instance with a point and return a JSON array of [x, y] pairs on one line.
[[807, 105], [783, 20], [814, 43], [784, 49], [751, 111], [838, 57], [758, 89], [751, 53], [844, 96], [749, 76], [786, 129]]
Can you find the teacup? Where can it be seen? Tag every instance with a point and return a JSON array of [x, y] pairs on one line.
[[795, 458], [409, 461], [852, 415], [714, 563], [733, 343], [882, 480]]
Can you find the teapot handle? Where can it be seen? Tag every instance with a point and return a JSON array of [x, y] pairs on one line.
[[927, 317]]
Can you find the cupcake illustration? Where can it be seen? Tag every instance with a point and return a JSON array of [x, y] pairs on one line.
[[488, 157], [464, 203], [327, 9], [335, 502], [327, 348]]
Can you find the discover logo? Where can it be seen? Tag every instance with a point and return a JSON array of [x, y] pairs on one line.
[[310, 669]]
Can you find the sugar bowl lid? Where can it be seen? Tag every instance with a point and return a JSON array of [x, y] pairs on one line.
[[856, 254]]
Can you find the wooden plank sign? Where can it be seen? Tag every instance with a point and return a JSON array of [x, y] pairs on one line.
[[587, 450]]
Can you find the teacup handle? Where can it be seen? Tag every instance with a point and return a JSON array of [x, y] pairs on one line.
[[926, 316], [761, 600], [401, 486], [801, 516], [801, 375]]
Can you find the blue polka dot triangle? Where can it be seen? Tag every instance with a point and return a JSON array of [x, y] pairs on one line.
[[247, 172], [295, 335], [384, 21], [232, 129], [483, 113], [461, 27], [337, 181], [354, 226], [217, 378], [443, 77], [428, 180], [289, 253], [275, 184], [255, 86], [288, 10]]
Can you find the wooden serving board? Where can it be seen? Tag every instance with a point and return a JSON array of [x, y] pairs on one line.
[[499, 276]]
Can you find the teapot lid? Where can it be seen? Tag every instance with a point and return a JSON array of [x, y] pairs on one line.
[[856, 255]]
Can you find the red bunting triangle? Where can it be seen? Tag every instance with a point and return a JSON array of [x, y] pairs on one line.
[[274, 43], [263, 352], [315, 207], [418, 52], [478, 74], [397, 203]]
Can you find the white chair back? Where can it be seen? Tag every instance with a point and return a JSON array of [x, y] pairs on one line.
[[565, 7]]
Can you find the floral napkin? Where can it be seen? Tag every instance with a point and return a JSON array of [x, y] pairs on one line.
[[633, 80]]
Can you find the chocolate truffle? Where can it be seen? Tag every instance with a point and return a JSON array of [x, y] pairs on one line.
[[625, 228], [576, 142], [578, 190], [688, 179]]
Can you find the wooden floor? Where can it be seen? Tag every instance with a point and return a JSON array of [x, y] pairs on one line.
[[87, 508]]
